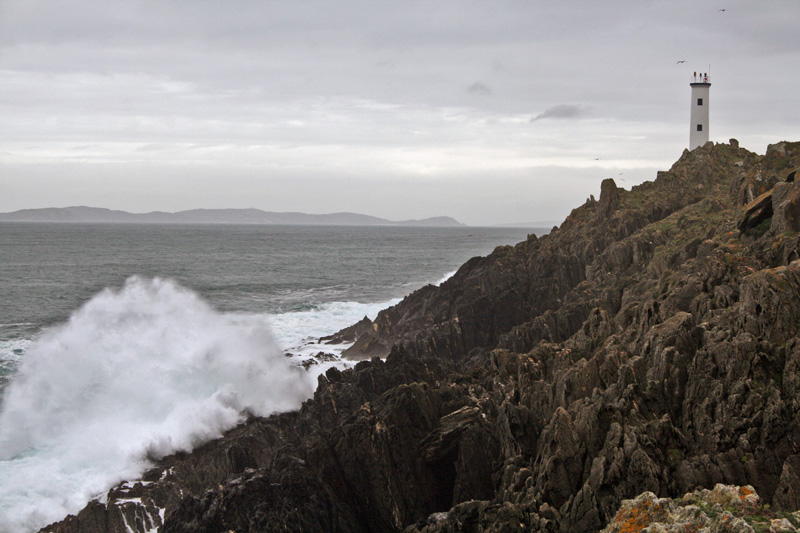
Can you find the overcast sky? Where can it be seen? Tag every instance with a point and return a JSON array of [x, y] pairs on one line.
[[487, 111]]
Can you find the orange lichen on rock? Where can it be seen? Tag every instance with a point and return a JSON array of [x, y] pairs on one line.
[[746, 491], [725, 508], [637, 514]]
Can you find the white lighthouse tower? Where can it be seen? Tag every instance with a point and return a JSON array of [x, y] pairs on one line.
[[698, 122]]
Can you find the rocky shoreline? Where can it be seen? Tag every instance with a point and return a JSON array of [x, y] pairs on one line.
[[650, 344]]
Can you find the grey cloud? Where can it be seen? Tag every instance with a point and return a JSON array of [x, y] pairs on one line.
[[479, 89], [562, 111], [338, 89]]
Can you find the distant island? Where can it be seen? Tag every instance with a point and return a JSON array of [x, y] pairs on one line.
[[97, 215]]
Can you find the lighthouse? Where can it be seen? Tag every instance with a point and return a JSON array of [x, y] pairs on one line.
[[698, 121]]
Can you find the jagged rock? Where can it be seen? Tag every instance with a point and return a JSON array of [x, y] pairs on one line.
[[128, 507], [317, 358], [776, 150], [646, 344], [786, 208], [609, 199], [770, 303], [464, 446], [726, 508], [787, 496], [350, 333], [757, 212], [287, 494]]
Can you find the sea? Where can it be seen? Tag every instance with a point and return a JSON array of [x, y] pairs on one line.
[[123, 343]]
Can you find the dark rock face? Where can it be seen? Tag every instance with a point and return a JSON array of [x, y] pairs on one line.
[[349, 334], [646, 345], [609, 200]]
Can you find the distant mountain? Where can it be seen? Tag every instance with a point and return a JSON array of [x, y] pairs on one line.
[[82, 214]]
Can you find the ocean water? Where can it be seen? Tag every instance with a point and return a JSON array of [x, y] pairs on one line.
[[120, 344]]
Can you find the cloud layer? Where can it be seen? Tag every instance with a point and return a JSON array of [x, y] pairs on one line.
[[396, 110]]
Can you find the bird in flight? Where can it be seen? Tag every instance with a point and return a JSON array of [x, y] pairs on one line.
[[723, 9], [681, 61]]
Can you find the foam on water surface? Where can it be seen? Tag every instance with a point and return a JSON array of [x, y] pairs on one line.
[[135, 373], [151, 367], [11, 351]]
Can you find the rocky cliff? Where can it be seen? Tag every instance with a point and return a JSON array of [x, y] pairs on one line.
[[649, 344]]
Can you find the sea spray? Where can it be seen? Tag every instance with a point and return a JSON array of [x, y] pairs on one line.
[[299, 331], [135, 373], [446, 277]]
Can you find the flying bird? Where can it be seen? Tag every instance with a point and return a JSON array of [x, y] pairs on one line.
[[723, 9], [681, 61]]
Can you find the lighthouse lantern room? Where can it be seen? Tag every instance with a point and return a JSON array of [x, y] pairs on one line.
[[698, 121]]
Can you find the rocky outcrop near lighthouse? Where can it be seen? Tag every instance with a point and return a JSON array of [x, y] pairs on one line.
[[650, 344]]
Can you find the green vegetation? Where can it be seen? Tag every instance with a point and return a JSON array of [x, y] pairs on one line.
[[757, 516]]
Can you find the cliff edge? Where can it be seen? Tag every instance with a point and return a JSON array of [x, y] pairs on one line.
[[650, 344]]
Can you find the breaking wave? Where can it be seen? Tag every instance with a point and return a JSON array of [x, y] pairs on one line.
[[135, 374]]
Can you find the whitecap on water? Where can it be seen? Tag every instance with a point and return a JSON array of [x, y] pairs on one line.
[[139, 372]]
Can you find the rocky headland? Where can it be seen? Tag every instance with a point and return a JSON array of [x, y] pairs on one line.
[[649, 346]]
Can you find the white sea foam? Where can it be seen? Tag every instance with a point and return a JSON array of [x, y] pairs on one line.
[[140, 372], [298, 333], [446, 277], [11, 350]]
